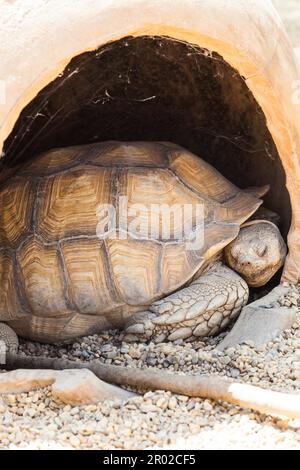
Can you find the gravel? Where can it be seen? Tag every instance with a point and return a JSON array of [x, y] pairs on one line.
[[159, 419]]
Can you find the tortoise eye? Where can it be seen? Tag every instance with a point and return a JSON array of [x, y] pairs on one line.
[[261, 249]]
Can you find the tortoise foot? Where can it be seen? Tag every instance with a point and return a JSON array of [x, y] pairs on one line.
[[141, 328], [9, 342]]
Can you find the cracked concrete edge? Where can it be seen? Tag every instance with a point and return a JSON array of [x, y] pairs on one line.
[[72, 386], [262, 321]]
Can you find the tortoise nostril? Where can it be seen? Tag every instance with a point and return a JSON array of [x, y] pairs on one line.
[[246, 264]]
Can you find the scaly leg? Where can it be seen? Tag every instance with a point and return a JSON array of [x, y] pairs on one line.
[[9, 338], [202, 309]]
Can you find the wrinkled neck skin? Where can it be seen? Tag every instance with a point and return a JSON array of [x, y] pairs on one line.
[[210, 265]]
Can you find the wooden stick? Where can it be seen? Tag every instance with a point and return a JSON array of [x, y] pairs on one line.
[[204, 386]]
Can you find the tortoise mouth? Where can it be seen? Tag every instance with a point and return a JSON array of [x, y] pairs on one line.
[[259, 276], [156, 89]]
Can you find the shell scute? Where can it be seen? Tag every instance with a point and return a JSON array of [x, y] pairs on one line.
[[16, 202], [68, 203], [10, 299], [43, 278], [90, 286]]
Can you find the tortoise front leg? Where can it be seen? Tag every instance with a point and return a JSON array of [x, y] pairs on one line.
[[202, 309], [9, 338]]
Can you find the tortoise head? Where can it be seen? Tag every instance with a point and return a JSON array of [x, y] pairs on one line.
[[257, 253]]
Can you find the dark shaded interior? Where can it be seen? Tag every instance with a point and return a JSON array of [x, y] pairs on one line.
[[156, 88]]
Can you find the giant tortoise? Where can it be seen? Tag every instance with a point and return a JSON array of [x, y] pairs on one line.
[[61, 278]]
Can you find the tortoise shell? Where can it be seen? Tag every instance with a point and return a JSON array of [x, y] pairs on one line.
[[59, 279]]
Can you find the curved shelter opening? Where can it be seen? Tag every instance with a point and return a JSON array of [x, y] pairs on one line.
[[156, 89]]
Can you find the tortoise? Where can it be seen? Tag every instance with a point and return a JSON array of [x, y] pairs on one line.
[[61, 277]]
